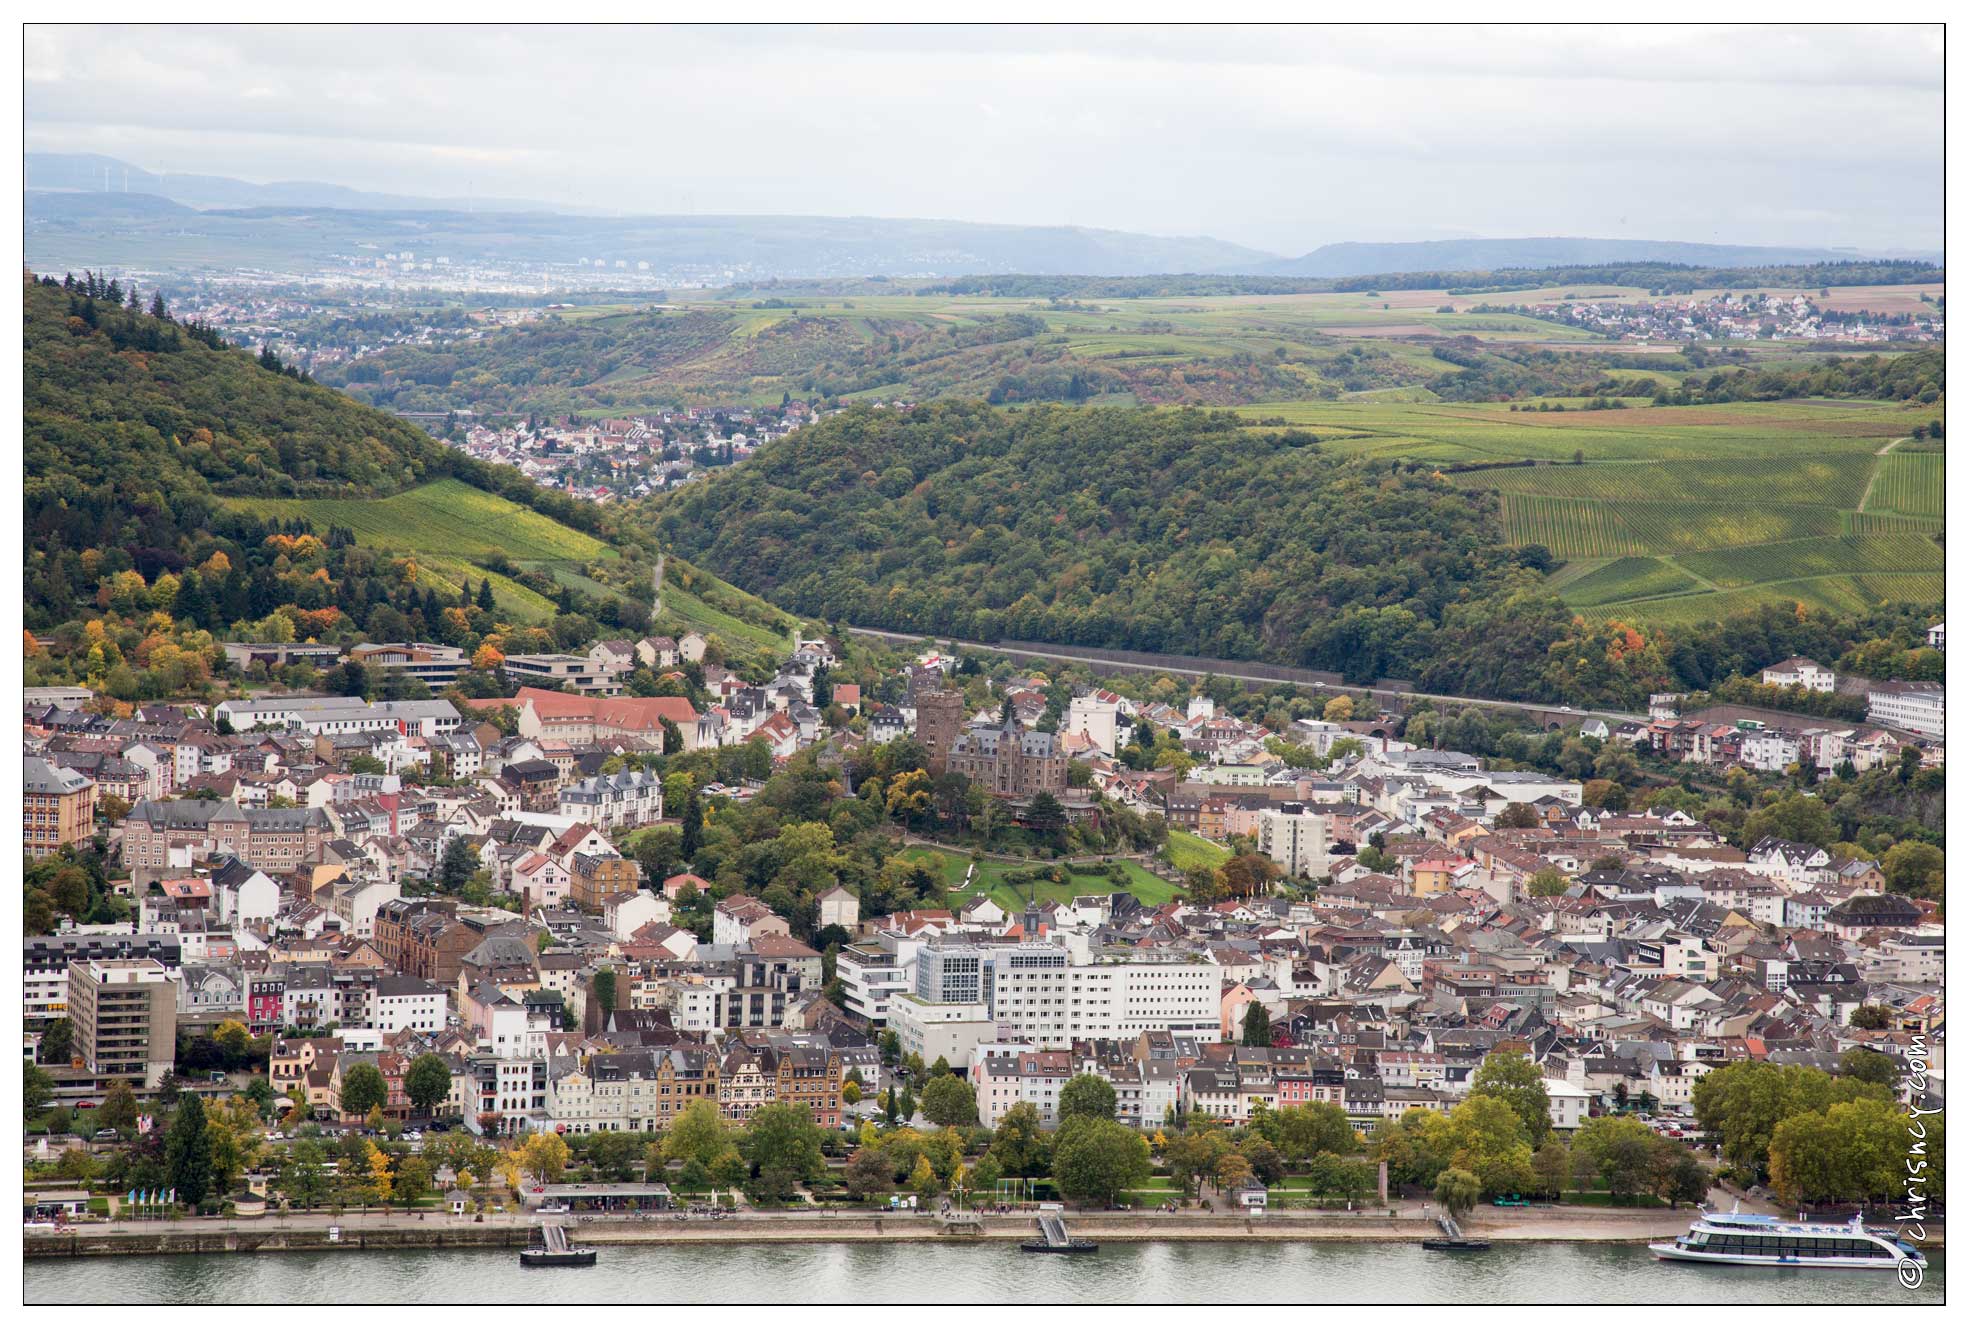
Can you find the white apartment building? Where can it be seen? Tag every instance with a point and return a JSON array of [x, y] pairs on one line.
[[870, 978], [1915, 706], [1097, 715], [1040, 996], [403, 1002], [1297, 840], [1770, 749], [340, 715]]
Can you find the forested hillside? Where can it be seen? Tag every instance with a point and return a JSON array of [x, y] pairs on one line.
[[149, 443], [1174, 531], [1178, 531]]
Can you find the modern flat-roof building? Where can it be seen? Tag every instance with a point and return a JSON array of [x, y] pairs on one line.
[[125, 1014], [577, 671], [1915, 706], [340, 715], [435, 666]]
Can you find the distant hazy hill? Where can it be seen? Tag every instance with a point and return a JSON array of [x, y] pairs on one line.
[[1354, 259], [203, 223], [82, 172]]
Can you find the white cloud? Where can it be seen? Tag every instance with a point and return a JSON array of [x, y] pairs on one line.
[[1284, 138]]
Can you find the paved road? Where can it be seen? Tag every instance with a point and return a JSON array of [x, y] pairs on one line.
[[1200, 667]]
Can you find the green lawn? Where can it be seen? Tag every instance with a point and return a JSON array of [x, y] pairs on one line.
[[1087, 878], [1189, 851]]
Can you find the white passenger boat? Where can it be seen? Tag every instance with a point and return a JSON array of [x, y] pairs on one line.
[[1759, 1239]]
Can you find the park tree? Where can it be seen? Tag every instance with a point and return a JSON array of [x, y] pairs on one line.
[[1487, 1137], [1097, 1159], [1267, 1163], [1853, 1152], [188, 1152], [782, 1138], [1457, 1191], [119, 1108], [1743, 1102], [1618, 1152], [38, 1087], [427, 1082], [1018, 1143], [1314, 1128], [1195, 1155], [304, 1174], [1257, 1032], [868, 1173], [413, 1180], [378, 1186], [1516, 1079], [544, 1154], [612, 1154], [1676, 1175], [1552, 1165], [697, 1133], [363, 1089], [1086, 1096], [949, 1101]]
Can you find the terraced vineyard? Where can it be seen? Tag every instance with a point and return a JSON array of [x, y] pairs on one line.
[[1792, 559], [1678, 514], [448, 527], [1909, 484], [1629, 579], [1569, 527], [446, 516]]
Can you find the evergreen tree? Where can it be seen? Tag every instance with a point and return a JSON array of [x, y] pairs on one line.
[[188, 1152]]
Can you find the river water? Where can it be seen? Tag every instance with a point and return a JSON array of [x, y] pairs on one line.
[[1152, 1272]]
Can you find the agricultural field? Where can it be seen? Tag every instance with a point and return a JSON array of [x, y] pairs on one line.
[[1674, 514], [1908, 484], [448, 526]]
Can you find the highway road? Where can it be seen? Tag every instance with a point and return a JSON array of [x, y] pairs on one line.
[[1199, 666]]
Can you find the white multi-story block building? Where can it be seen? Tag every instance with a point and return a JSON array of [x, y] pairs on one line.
[[1295, 839], [1915, 706]]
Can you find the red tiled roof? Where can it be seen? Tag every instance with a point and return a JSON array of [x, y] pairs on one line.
[[620, 712]]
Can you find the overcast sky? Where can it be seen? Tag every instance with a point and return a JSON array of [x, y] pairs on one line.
[[1284, 139]]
